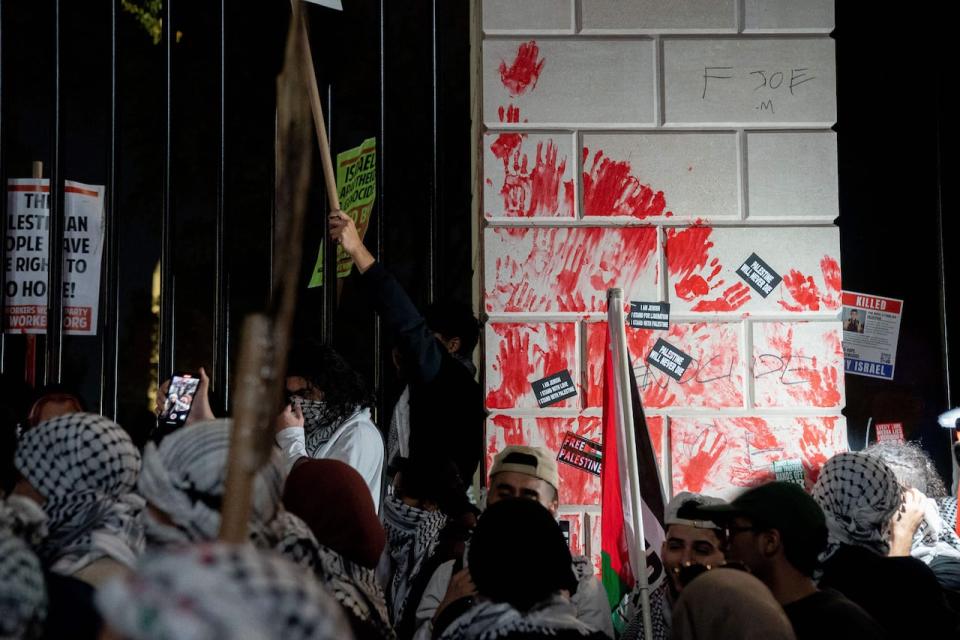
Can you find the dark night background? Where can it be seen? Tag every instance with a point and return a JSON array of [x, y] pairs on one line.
[[400, 71]]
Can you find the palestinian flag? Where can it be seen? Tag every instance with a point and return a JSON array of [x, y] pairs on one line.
[[619, 540]]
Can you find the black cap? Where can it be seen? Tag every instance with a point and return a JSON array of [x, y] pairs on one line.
[[784, 506]]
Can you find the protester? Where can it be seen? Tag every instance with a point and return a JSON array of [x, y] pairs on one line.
[[52, 401], [428, 497], [82, 469], [778, 531], [219, 592], [729, 604], [183, 481], [689, 541], [521, 566], [440, 414], [23, 594], [517, 472], [336, 422], [332, 498], [870, 524]]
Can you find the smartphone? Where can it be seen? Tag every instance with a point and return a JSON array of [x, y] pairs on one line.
[[180, 397]]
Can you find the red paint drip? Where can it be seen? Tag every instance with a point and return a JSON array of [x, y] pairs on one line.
[[831, 273], [688, 249], [609, 189], [525, 70], [762, 436]]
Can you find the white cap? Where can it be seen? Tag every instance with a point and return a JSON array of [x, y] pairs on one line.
[[671, 511]]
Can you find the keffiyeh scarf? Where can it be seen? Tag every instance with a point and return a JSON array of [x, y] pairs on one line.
[[491, 620], [220, 592], [936, 535], [23, 596], [412, 535], [354, 587], [319, 425], [631, 614], [86, 467], [185, 478], [859, 494]]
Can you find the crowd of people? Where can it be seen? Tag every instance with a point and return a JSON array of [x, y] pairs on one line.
[[357, 534]]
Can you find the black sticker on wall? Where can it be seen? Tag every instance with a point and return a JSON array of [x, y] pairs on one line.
[[649, 315], [555, 388], [669, 359], [581, 453], [759, 275]]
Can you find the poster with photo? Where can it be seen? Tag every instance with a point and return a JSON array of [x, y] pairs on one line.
[[871, 329]]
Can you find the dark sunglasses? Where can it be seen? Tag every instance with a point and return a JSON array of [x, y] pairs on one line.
[[687, 572]]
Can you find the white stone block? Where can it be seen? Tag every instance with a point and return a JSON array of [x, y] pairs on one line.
[[750, 81], [658, 16], [703, 265], [569, 82], [527, 16], [529, 175], [792, 175], [797, 16], [797, 364], [695, 172]]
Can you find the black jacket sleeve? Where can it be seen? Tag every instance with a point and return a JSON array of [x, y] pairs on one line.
[[422, 353]]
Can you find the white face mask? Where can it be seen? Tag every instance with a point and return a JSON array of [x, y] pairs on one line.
[[162, 535]]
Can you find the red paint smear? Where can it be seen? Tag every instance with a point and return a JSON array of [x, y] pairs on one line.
[[697, 467], [821, 387], [556, 272], [525, 70], [529, 192], [805, 292], [812, 445], [506, 145], [688, 249], [762, 436], [734, 297], [561, 341], [514, 364], [609, 189]]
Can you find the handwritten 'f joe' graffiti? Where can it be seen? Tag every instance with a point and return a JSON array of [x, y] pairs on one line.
[[769, 82]]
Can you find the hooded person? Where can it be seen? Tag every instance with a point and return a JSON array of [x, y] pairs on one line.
[[82, 469], [423, 518], [332, 499], [518, 472], [23, 594], [521, 566], [688, 540], [219, 592], [729, 604], [184, 479], [870, 524], [329, 415]]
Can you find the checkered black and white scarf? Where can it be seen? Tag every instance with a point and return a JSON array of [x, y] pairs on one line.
[[86, 468], [23, 595], [185, 478], [492, 620], [220, 592], [319, 425], [412, 535], [859, 494]]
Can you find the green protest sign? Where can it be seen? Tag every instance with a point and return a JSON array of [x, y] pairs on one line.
[[357, 188]]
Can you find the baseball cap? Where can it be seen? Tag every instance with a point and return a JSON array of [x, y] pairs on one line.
[[681, 510], [784, 506], [532, 461]]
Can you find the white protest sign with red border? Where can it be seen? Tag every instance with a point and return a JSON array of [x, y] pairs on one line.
[[871, 329], [26, 256]]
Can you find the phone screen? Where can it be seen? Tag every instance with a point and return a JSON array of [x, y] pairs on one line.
[[179, 401]]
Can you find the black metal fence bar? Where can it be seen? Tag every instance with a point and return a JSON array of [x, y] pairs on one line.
[[167, 284], [221, 326], [54, 341]]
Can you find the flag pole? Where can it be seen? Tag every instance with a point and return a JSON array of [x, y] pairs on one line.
[[618, 338]]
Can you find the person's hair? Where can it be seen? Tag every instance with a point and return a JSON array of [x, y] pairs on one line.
[[433, 480], [455, 320], [912, 466], [520, 533], [53, 393], [554, 492], [802, 549], [344, 390]]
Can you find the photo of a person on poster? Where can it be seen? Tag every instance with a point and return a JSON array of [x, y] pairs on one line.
[[853, 321]]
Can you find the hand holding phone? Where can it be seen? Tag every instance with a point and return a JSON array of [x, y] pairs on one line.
[[179, 400]]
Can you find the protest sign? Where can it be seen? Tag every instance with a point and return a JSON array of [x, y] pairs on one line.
[[789, 471], [581, 453], [871, 329], [555, 388], [649, 315], [890, 432], [27, 256], [669, 359], [357, 189], [759, 275]]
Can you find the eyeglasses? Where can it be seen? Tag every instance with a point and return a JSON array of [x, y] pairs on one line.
[[687, 572], [732, 531]]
